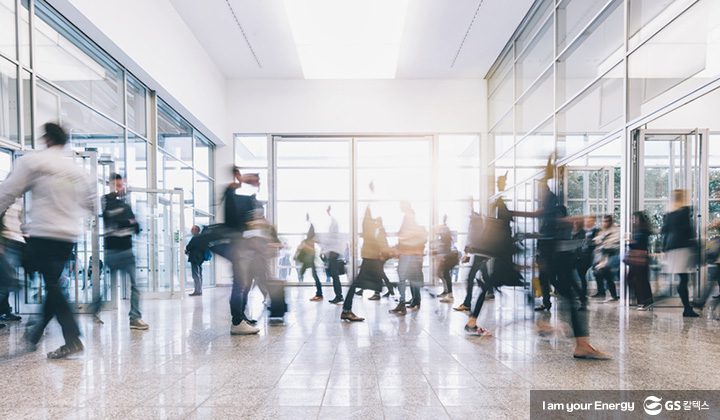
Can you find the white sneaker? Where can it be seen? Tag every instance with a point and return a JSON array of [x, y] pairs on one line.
[[447, 298], [243, 328]]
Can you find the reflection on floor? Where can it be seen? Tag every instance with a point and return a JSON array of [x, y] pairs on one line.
[[420, 366]]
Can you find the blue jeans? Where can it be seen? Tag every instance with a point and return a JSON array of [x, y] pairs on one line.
[[124, 261], [410, 269], [12, 255]]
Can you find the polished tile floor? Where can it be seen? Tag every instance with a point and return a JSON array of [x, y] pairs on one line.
[[420, 366]]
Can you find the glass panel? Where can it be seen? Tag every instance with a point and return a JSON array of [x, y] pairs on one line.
[[25, 32], [536, 106], [203, 193], [251, 151], [647, 16], [501, 137], [501, 100], [533, 150], [8, 101], [506, 164], [682, 57], [313, 153], [385, 152], [203, 154], [593, 115], [84, 125], [533, 24], [27, 107], [7, 28], [6, 163], [597, 52], [534, 60], [175, 135], [291, 216], [501, 71], [67, 58], [301, 184], [174, 174], [137, 161], [136, 106], [572, 16], [458, 165]]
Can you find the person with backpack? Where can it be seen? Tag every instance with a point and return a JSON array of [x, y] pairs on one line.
[[197, 254]]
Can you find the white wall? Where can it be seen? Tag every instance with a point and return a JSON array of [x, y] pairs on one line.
[[356, 106], [152, 40]]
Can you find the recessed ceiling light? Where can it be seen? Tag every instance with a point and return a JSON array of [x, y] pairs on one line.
[[347, 39]]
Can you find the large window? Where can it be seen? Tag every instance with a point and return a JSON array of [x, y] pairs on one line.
[[316, 178], [73, 81]]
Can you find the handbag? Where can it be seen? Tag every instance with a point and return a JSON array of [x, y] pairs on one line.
[[636, 257]]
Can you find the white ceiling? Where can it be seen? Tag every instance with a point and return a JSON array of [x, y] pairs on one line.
[[434, 31]]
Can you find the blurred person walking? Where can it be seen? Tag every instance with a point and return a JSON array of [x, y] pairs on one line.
[[478, 262], [333, 245], [678, 240], [305, 256], [446, 259], [62, 194], [586, 254], [374, 250], [638, 262], [607, 249], [120, 225], [410, 248], [238, 213], [12, 243]]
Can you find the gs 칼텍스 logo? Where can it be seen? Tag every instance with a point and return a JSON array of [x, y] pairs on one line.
[[652, 405]]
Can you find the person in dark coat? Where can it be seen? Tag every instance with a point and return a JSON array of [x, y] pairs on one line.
[[371, 275], [678, 239], [638, 263], [196, 253]]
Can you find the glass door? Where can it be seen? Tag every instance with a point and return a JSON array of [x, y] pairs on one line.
[[667, 160], [588, 190], [161, 268]]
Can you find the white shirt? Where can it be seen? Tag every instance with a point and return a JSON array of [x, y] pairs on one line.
[[62, 193]]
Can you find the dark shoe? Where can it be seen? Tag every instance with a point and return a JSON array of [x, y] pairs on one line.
[[336, 300], [388, 294], [195, 294], [414, 306], [66, 350], [399, 310], [376, 296], [10, 317], [2, 326], [598, 296], [542, 308], [251, 321], [462, 308], [97, 320], [358, 292], [689, 313], [697, 305], [349, 316]]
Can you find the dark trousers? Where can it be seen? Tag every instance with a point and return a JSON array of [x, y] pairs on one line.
[[445, 270], [583, 265], [49, 257], [478, 264], [605, 278], [564, 277], [311, 266], [197, 276], [682, 289], [333, 262], [639, 277]]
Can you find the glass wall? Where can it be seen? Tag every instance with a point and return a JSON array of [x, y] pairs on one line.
[[579, 79], [315, 178], [63, 76]]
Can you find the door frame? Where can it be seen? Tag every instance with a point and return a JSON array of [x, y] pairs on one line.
[[699, 198]]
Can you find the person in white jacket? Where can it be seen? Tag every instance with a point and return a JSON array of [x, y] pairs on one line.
[[62, 194]]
